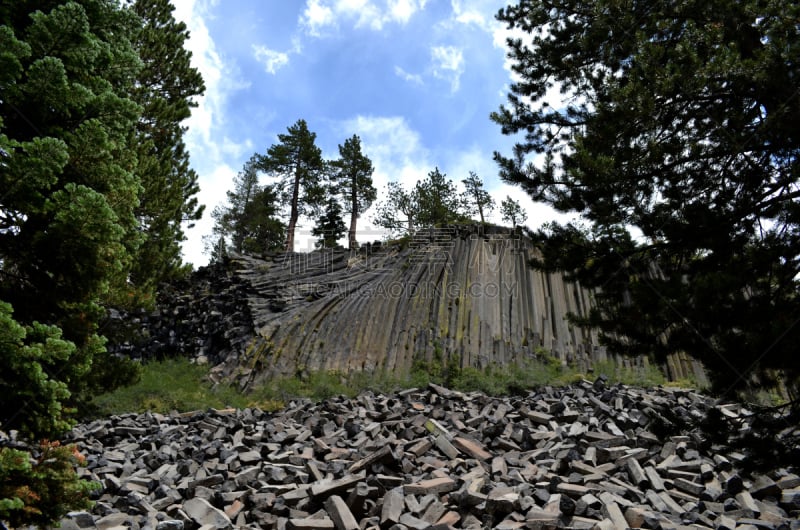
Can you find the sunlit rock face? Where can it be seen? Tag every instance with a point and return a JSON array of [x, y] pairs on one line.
[[462, 293]]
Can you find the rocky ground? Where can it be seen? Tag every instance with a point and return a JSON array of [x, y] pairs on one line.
[[584, 456]]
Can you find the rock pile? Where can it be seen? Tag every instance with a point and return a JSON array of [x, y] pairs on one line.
[[584, 456], [205, 317]]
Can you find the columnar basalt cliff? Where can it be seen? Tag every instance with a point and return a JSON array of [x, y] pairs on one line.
[[463, 295], [455, 292]]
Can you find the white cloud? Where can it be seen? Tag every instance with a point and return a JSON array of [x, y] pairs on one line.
[[322, 15], [448, 64], [402, 10], [477, 13], [271, 59], [409, 77], [395, 148], [316, 16]]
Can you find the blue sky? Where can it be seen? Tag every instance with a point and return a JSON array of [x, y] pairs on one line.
[[415, 79]]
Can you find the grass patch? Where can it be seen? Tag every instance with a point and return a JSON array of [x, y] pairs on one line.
[[172, 384], [643, 376], [494, 380], [177, 384]]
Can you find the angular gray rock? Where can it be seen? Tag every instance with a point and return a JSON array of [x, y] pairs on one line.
[[379, 461], [204, 514]]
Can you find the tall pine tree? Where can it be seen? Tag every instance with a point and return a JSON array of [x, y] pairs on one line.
[[353, 177], [95, 183], [70, 188], [166, 90], [680, 120], [296, 162]]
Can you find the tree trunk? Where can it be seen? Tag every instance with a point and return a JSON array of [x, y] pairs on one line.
[[293, 214], [351, 236]]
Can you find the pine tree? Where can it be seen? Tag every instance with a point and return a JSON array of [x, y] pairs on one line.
[[166, 88], [330, 227], [68, 171], [397, 213], [250, 222], [353, 176], [298, 165], [512, 212], [476, 198], [679, 121], [80, 176], [439, 203]]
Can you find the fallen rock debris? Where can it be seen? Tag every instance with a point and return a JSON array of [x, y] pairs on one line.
[[583, 456]]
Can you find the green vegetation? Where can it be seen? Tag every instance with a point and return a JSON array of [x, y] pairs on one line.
[[433, 201], [95, 187], [173, 384], [678, 122], [177, 384], [44, 489], [645, 376], [249, 222]]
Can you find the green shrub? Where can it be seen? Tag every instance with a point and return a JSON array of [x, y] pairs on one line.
[[43, 489], [36, 365]]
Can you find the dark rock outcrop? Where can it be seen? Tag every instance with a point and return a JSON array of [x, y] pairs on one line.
[[461, 294]]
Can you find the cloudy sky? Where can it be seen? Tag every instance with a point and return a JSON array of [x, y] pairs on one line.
[[415, 79]]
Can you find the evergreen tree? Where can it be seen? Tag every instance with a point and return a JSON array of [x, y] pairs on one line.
[[681, 122], [250, 222], [330, 227], [512, 212], [476, 198], [439, 203], [353, 176], [81, 171], [262, 230], [166, 88], [68, 230], [298, 165], [397, 213]]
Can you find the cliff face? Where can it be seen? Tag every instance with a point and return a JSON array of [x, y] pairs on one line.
[[464, 292], [462, 295]]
